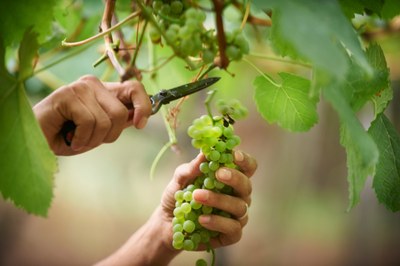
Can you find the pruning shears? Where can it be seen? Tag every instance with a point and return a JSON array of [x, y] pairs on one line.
[[157, 100]]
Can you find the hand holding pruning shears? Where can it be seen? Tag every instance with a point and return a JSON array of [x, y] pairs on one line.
[[82, 115]]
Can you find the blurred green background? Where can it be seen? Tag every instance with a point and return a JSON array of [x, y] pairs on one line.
[[298, 213]]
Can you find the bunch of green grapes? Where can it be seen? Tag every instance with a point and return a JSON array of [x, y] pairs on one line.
[[215, 137], [183, 24]]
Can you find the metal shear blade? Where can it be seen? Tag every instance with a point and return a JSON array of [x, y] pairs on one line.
[[166, 96]]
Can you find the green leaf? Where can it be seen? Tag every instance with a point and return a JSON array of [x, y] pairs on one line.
[[386, 9], [27, 53], [384, 94], [361, 87], [362, 152], [27, 165], [316, 31], [390, 9], [18, 16], [387, 175], [288, 104]]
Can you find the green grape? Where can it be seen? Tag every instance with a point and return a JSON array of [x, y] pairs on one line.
[[179, 195], [215, 137], [157, 5], [204, 167], [178, 237], [155, 35], [196, 238], [201, 262], [187, 196], [165, 9], [189, 226], [206, 209], [233, 52], [195, 205], [215, 155], [205, 236], [177, 245], [228, 132], [177, 228], [230, 144], [188, 244], [176, 7], [191, 216], [171, 35], [242, 43], [185, 207], [213, 165], [191, 187], [209, 183], [186, 46], [218, 185], [208, 56], [178, 212], [220, 146]]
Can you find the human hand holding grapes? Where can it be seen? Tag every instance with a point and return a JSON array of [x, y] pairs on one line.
[[151, 244], [230, 228]]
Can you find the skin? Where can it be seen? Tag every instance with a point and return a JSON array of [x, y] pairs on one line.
[[99, 110], [151, 244], [100, 113]]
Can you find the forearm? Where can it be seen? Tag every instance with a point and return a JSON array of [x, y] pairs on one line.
[[147, 246]]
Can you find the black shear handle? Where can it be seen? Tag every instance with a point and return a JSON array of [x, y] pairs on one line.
[[68, 131]]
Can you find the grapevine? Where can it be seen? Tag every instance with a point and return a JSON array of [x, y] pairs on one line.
[[215, 138]]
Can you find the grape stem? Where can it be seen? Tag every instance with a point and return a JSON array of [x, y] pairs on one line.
[[207, 102], [108, 40], [261, 72], [219, 8], [249, 18], [158, 157], [280, 60], [103, 33]]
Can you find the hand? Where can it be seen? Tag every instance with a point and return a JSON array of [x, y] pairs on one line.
[[99, 111], [152, 243], [230, 228]]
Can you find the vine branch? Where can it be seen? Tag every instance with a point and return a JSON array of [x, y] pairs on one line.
[[102, 33], [105, 26], [223, 61]]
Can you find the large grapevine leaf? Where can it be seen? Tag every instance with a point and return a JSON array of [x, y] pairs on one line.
[[362, 152], [316, 31], [387, 175], [288, 104], [17, 16], [27, 165]]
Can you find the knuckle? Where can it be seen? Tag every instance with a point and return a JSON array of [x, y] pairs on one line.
[[250, 187], [118, 114], [104, 124], [134, 85], [88, 78]]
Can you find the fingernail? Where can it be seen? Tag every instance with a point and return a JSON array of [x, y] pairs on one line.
[[204, 219], [224, 174], [200, 195], [75, 147], [239, 157], [142, 123]]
